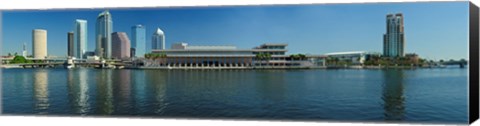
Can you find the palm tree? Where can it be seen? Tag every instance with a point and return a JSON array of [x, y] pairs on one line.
[[267, 57], [147, 55], [302, 56], [263, 56]]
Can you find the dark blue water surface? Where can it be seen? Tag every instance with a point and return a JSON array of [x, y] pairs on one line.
[[420, 95]]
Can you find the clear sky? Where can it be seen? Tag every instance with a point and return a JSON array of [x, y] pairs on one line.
[[435, 30]]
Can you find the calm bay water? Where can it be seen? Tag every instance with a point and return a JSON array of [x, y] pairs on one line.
[[421, 95]]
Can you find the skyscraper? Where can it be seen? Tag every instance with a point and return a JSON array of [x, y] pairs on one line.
[[158, 40], [121, 45], [394, 39], [138, 41], [70, 44], [103, 35], [80, 41], [39, 43]]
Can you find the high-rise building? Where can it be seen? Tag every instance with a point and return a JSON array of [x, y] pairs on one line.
[[80, 41], [394, 39], [70, 44], [138, 41], [39, 43], [103, 34], [120, 45], [158, 40], [24, 52]]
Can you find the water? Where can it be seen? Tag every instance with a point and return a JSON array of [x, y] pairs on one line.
[[421, 95]]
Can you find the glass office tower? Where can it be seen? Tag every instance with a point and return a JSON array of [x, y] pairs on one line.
[[80, 39], [104, 28], [138, 41]]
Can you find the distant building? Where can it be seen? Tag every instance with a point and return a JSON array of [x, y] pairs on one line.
[[93, 59], [39, 43], [354, 57], [24, 52], [70, 44], [103, 36], [414, 58], [158, 40], [121, 45], [89, 53], [80, 41], [394, 39], [138, 41]]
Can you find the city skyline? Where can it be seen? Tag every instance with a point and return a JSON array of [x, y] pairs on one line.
[[312, 29]]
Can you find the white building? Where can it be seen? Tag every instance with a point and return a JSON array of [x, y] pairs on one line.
[[158, 40], [39, 40], [24, 52]]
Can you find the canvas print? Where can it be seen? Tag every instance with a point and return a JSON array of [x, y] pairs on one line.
[[375, 62]]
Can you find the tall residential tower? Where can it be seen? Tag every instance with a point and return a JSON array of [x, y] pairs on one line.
[[158, 40], [39, 43], [103, 34], [394, 39], [138, 41], [80, 39]]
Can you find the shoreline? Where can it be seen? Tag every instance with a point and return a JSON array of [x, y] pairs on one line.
[[10, 66]]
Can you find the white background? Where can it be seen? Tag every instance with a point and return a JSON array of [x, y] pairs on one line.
[[80, 121]]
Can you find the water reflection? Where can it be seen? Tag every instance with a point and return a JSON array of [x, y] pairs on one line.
[[123, 87], [104, 92], [78, 91], [274, 94], [271, 84], [40, 91], [156, 83], [393, 96]]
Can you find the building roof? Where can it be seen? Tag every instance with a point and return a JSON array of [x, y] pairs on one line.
[[39, 30], [271, 44], [138, 26], [81, 20], [274, 44], [159, 32], [106, 12]]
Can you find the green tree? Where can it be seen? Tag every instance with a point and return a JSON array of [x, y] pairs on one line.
[[20, 59], [147, 55]]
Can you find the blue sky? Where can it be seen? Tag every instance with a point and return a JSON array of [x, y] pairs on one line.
[[435, 30]]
